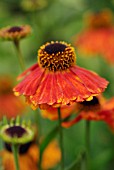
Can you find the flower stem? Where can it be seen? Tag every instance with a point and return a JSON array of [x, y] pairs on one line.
[[61, 139], [20, 57], [87, 141], [38, 125], [15, 154]]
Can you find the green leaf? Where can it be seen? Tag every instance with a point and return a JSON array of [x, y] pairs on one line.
[[47, 139], [79, 163]]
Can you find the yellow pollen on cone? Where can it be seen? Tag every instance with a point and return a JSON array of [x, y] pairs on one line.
[[56, 56]]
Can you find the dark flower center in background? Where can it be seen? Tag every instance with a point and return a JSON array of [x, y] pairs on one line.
[[92, 105], [55, 48], [56, 56], [15, 29], [15, 131], [92, 102], [23, 148]]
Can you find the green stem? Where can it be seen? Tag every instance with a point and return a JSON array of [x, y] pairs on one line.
[[39, 165], [15, 154], [19, 54], [87, 140], [61, 139], [38, 125]]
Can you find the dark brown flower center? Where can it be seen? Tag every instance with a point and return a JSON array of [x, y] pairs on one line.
[[92, 102], [15, 131], [15, 29], [55, 48], [23, 148], [56, 56]]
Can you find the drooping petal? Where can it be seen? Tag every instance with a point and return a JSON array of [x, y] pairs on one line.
[[32, 68], [29, 85], [52, 113], [68, 124], [94, 83]]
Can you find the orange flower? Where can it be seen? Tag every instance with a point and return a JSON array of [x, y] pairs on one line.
[[98, 37], [29, 157], [56, 80], [97, 109], [50, 159], [107, 113], [15, 32], [52, 113], [10, 106]]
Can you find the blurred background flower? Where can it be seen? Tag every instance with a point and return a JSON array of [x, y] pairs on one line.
[[10, 106], [98, 109], [52, 113], [97, 38], [15, 33]]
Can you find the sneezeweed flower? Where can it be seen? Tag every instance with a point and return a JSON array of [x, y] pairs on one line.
[[10, 105], [24, 136], [98, 109], [91, 41], [15, 33], [56, 81], [52, 113], [16, 133]]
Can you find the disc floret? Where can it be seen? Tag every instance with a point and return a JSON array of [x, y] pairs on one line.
[[56, 56]]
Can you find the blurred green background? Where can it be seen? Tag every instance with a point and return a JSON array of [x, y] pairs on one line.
[[60, 20]]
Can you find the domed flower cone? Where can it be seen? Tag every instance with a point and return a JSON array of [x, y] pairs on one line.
[[15, 33]]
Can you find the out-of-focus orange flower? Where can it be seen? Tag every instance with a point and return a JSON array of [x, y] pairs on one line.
[[98, 109], [10, 105], [99, 19], [51, 156], [15, 32], [52, 113], [29, 157], [107, 113], [25, 161], [56, 80], [98, 37]]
